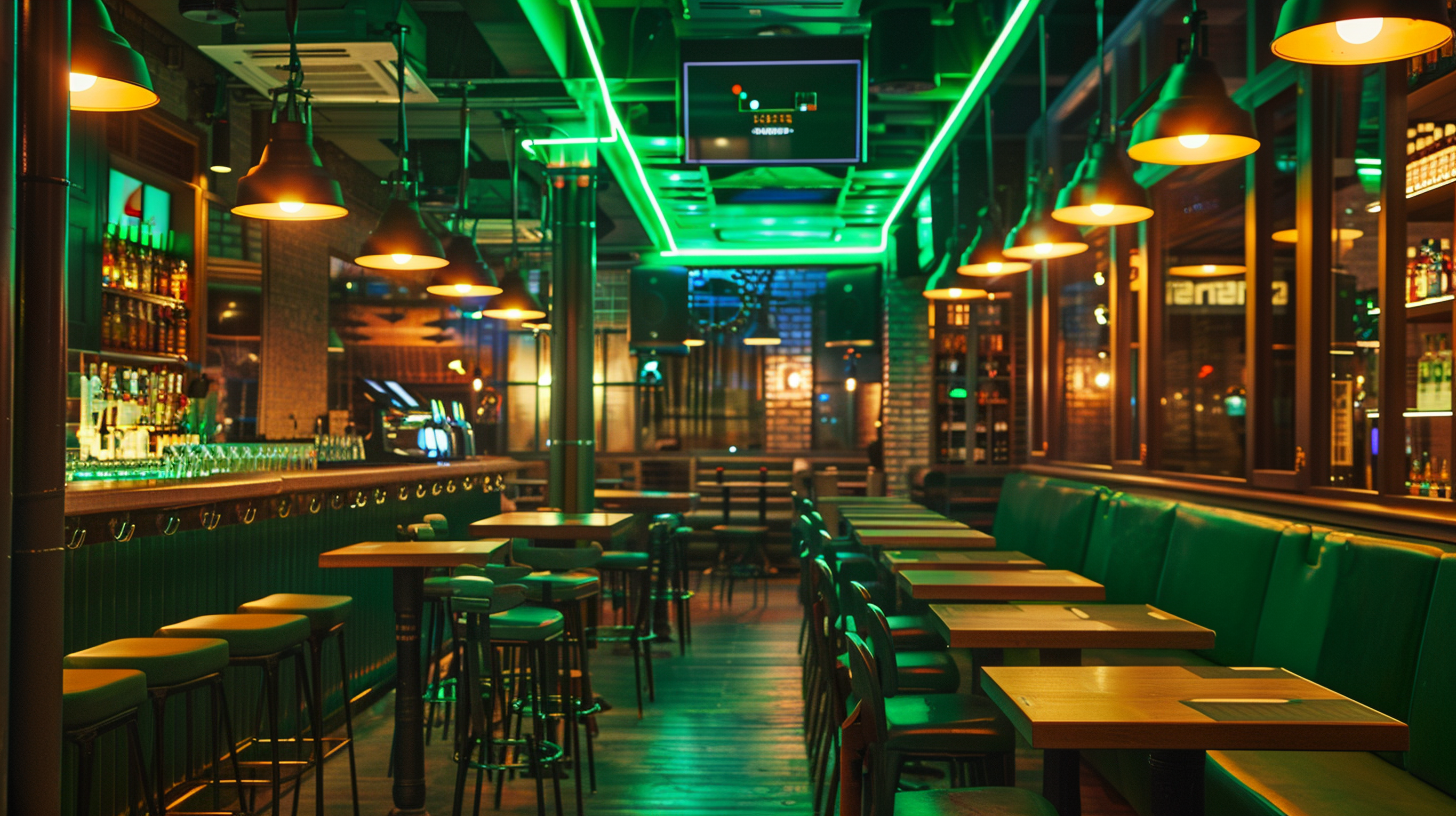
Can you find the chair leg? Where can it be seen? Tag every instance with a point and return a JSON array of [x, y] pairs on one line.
[[139, 766], [159, 719], [271, 692], [219, 703]]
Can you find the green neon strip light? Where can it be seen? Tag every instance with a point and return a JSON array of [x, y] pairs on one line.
[[530, 144], [1000, 51]]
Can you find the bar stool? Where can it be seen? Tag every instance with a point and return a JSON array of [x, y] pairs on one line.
[[174, 666], [95, 702], [262, 642], [752, 536], [673, 585], [326, 615]]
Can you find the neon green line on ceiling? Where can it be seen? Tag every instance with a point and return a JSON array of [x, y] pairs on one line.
[[1000, 52]]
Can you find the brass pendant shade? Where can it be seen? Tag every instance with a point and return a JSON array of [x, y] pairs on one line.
[[1039, 237], [466, 275], [1359, 32], [289, 182], [1194, 121], [515, 301], [985, 258], [107, 74], [400, 240], [1103, 192], [946, 285], [765, 331]]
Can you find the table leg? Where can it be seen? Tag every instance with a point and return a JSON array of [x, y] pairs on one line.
[[1177, 783], [1062, 769], [409, 705]]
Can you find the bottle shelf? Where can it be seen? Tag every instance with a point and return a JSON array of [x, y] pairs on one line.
[[136, 294], [140, 357], [1430, 310]]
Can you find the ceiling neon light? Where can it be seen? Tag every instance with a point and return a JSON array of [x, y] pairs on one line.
[[998, 54]]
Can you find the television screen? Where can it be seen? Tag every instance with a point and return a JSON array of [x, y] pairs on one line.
[[773, 100]]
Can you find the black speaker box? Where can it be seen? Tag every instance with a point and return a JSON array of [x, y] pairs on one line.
[[852, 306], [659, 309]]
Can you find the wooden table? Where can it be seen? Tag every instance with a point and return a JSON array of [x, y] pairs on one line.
[[905, 523], [900, 560], [999, 585], [647, 501], [1179, 712], [552, 526], [1061, 632], [409, 559], [888, 512], [924, 539], [848, 500]]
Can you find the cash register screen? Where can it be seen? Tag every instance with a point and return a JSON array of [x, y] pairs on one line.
[[391, 393]]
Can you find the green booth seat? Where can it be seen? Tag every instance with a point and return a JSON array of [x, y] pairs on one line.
[[1127, 544], [92, 696], [1047, 519], [976, 801], [164, 661]]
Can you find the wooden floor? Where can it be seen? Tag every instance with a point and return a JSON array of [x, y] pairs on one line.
[[723, 737]]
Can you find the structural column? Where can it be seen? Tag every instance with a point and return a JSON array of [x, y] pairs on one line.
[[38, 348], [573, 324]]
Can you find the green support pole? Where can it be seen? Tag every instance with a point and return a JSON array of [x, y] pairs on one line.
[[573, 323]]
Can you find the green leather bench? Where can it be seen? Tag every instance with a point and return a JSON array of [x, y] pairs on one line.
[[1372, 618]]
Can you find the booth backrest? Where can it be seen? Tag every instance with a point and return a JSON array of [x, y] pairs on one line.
[[1047, 520], [1302, 585], [1127, 544], [1432, 755], [1216, 574]]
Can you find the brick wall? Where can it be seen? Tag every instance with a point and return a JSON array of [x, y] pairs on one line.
[[788, 400], [907, 397]]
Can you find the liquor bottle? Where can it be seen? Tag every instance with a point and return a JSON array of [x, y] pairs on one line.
[[179, 280], [1423, 377], [1443, 397], [180, 315], [1430, 262], [1410, 275], [1444, 259], [108, 259]]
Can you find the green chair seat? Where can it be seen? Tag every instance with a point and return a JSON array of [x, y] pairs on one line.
[[247, 635], [926, 673], [561, 586], [947, 724], [166, 661], [977, 801], [914, 633], [624, 560], [526, 623], [324, 612], [437, 586], [1308, 783], [91, 696], [740, 530]]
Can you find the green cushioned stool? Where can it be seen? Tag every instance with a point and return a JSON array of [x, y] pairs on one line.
[[326, 617], [95, 702], [264, 641], [624, 560], [173, 666]]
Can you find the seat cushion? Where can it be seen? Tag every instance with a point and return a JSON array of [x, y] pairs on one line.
[[973, 802], [437, 586], [914, 633], [1215, 575], [926, 673], [740, 530], [247, 635], [560, 586], [1309, 783], [90, 696], [624, 560], [1127, 544], [165, 661], [943, 724], [528, 623], [324, 612], [1047, 519]]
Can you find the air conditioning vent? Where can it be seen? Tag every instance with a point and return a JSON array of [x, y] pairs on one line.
[[336, 73]]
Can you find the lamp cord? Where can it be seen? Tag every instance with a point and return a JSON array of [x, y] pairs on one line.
[[464, 153], [295, 63], [402, 137], [1101, 65], [992, 211], [1046, 137]]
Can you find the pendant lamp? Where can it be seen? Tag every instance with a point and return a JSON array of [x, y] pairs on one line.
[[984, 258], [1194, 121], [1359, 32], [1102, 192], [400, 242], [946, 285], [695, 336], [466, 274], [515, 301], [1039, 237], [765, 331], [1291, 236], [1208, 270], [289, 182], [107, 74]]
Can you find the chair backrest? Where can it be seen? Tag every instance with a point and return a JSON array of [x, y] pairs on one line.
[[875, 482], [1216, 575], [1302, 584], [826, 483], [558, 559], [864, 685], [1048, 519], [1127, 544], [828, 593]]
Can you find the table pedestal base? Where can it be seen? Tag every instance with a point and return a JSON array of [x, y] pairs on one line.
[[1177, 783], [409, 706], [1061, 781]]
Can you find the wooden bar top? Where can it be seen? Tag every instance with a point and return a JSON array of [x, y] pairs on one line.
[[647, 501], [86, 498], [974, 560], [412, 553], [1191, 708], [999, 585], [925, 539], [1054, 626]]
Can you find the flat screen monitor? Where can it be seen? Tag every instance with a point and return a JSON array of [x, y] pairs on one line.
[[773, 100]]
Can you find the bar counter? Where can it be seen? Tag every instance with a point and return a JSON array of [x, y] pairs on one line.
[[144, 554]]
